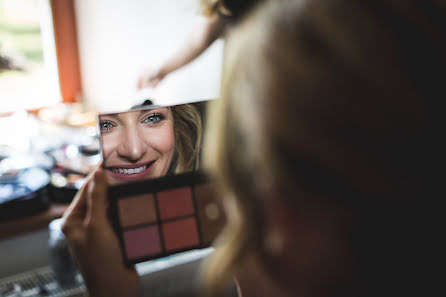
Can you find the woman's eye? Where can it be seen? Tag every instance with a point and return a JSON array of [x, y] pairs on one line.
[[153, 118], [104, 126]]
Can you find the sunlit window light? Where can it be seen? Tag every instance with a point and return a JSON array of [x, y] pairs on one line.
[[28, 69]]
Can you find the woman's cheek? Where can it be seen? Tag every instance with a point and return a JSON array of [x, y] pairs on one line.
[[162, 143], [170, 140], [109, 145], [162, 139]]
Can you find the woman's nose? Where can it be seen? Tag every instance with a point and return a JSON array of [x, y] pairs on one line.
[[132, 146]]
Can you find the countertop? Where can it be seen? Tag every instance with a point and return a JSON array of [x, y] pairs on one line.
[[12, 228]]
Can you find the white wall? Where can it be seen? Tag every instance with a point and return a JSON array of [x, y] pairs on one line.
[[119, 39]]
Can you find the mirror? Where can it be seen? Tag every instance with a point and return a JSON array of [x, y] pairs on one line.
[[150, 141]]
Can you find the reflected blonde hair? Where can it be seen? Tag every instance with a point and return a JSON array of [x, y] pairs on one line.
[[210, 7], [188, 134], [327, 98]]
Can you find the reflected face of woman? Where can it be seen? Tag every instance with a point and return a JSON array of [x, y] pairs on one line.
[[137, 144]]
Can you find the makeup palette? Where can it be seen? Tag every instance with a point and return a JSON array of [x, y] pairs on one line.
[[159, 217]]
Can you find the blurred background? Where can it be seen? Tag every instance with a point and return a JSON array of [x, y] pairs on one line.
[[95, 50]]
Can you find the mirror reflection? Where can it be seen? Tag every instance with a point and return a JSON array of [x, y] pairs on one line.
[[151, 141]]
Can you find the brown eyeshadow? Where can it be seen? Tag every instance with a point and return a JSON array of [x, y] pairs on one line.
[[210, 212], [137, 210]]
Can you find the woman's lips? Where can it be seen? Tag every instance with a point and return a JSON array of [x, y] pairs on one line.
[[130, 171]]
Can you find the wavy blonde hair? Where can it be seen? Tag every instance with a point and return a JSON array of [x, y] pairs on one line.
[[210, 7], [188, 131], [329, 98]]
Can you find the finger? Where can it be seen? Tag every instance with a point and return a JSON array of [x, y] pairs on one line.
[[77, 209], [145, 79], [97, 199], [74, 217], [78, 205], [154, 83], [141, 82], [144, 83], [75, 214]]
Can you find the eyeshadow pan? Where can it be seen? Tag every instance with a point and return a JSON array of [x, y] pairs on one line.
[[142, 242], [209, 210], [137, 210], [180, 234], [175, 203]]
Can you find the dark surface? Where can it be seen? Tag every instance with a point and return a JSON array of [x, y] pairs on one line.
[[23, 193]]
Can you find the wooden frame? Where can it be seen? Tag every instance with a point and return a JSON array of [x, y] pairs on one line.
[[67, 51]]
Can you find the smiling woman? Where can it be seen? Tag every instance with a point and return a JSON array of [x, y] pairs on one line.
[[137, 144], [148, 143]]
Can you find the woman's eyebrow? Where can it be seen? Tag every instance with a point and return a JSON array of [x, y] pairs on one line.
[[153, 109], [120, 116], [110, 115]]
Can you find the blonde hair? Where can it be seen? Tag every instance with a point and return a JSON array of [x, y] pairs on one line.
[[188, 134], [327, 98], [209, 7]]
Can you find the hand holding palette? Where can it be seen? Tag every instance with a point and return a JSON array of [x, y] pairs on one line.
[[163, 216]]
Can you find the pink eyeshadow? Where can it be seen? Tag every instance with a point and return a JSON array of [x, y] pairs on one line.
[[142, 242], [175, 203], [180, 234]]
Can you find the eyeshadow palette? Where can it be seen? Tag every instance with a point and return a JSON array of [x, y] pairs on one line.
[[159, 217]]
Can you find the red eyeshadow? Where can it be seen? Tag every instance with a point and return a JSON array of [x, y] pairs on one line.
[[175, 203], [142, 242], [180, 234]]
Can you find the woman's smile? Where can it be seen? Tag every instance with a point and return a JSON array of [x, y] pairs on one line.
[[131, 171]]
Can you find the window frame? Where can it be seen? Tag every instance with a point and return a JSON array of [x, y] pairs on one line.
[[67, 50]]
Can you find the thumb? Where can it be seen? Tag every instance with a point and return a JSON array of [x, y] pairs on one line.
[[74, 216], [140, 83], [154, 83], [97, 202]]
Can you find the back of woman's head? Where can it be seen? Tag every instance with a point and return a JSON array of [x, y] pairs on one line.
[[339, 101], [346, 87]]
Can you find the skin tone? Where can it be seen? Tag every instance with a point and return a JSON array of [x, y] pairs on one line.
[[94, 243], [137, 144]]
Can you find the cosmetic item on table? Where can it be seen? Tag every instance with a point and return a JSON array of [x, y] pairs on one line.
[[73, 163], [159, 217], [64, 185], [14, 161], [23, 192], [62, 262], [80, 159]]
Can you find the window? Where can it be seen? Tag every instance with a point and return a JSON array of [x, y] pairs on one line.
[[28, 64]]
